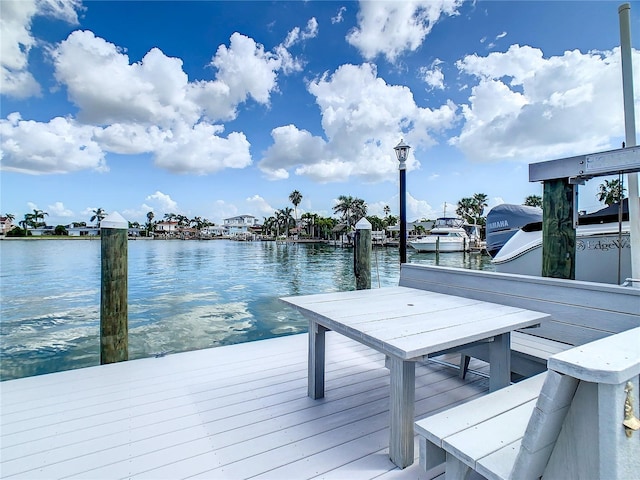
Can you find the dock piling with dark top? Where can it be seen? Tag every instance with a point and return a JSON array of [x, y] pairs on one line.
[[114, 335]]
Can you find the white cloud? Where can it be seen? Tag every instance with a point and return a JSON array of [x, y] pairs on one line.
[[392, 27], [244, 70], [296, 35], [259, 206], [363, 118], [162, 203], [200, 150], [17, 40], [151, 107], [339, 18], [419, 209], [108, 89], [433, 75], [59, 210], [526, 107], [291, 147], [58, 146]]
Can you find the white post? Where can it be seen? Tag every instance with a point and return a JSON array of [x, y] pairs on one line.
[[630, 134]]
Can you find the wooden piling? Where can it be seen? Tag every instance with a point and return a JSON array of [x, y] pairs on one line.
[[558, 232], [362, 255], [113, 295]]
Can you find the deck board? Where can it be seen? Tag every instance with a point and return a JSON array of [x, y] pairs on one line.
[[237, 411]]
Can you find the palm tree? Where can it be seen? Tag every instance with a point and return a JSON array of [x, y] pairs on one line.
[[351, 209], [309, 221], [295, 197], [39, 214], [611, 191], [149, 224], [386, 210], [26, 222], [533, 201], [466, 209], [98, 215], [183, 220], [479, 201], [10, 216], [269, 226], [284, 219]]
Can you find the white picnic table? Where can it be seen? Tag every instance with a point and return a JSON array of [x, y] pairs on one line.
[[408, 325]]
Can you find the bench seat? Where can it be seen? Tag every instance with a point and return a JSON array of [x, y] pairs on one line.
[[456, 427], [529, 353], [564, 423]]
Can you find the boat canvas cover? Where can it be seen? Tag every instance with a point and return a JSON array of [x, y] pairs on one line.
[[504, 220]]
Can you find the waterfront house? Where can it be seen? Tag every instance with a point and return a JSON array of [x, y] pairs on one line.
[[240, 225], [6, 225], [167, 228], [87, 231]]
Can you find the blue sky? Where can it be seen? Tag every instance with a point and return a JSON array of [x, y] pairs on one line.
[[216, 109]]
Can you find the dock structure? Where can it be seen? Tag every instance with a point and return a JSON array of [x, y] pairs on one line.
[[231, 412]]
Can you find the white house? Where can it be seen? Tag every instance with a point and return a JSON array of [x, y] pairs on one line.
[[90, 231], [167, 228], [240, 224]]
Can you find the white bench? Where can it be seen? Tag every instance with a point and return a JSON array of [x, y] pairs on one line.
[[581, 312], [565, 423]]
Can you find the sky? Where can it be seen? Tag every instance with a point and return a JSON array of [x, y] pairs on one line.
[[223, 108]]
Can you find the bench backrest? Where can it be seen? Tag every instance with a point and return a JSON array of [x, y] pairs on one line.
[[581, 312]]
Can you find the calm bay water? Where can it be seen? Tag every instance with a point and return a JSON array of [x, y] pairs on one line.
[[183, 295]]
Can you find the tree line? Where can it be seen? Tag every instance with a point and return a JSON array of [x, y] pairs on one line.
[[284, 221]]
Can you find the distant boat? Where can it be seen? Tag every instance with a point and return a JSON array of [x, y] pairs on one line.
[[449, 234], [603, 248]]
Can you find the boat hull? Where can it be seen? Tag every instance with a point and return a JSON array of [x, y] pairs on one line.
[[444, 245], [598, 253]]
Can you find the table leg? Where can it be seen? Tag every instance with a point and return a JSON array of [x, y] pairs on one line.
[[402, 411], [316, 360], [500, 362]]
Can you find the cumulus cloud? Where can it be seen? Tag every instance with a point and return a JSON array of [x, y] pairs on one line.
[[59, 210], [418, 209], [17, 40], [363, 118], [390, 27], [258, 204], [201, 150], [297, 35], [162, 202], [146, 107], [108, 89], [59, 146], [526, 107], [291, 147], [433, 76]]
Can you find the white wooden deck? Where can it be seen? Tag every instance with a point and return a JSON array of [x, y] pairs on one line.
[[239, 411]]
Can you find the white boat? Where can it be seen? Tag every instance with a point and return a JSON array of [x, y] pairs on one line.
[[448, 235], [603, 251]]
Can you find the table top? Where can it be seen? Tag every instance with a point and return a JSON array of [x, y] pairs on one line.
[[410, 323]]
